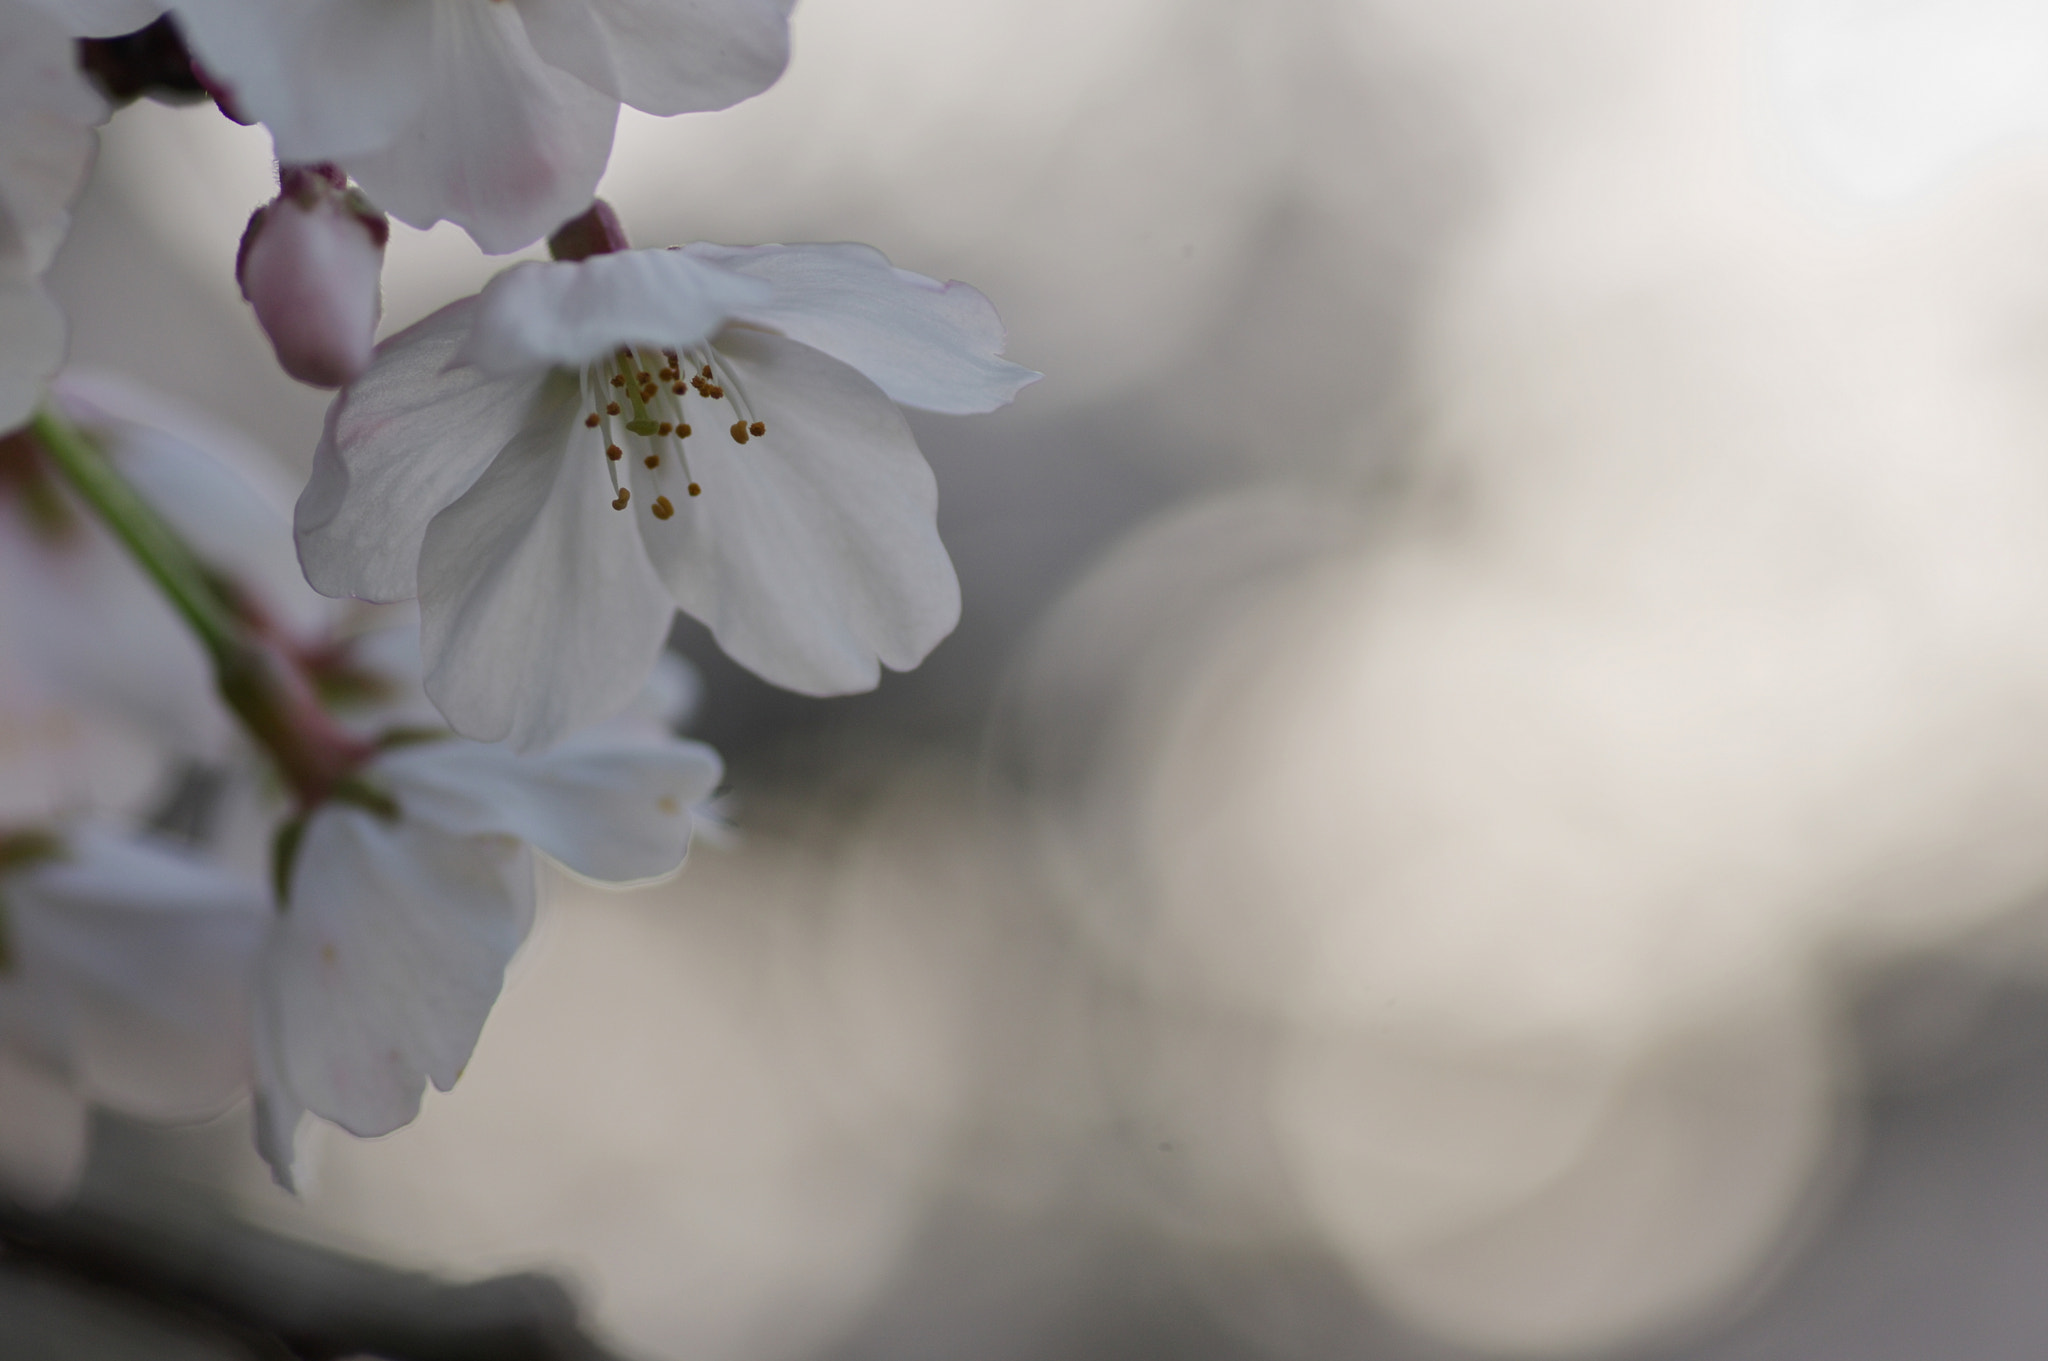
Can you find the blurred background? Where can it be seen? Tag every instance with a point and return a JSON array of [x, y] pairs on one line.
[[1491, 795]]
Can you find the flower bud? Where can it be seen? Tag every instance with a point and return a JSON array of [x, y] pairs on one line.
[[308, 264]]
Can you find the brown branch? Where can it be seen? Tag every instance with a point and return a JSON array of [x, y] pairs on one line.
[[280, 1296]]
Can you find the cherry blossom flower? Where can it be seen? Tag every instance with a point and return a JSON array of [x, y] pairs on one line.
[[557, 464], [495, 115], [47, 116], [405, 907], [124, 967]]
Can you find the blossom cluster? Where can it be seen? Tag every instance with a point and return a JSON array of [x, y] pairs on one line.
[[275, 783]]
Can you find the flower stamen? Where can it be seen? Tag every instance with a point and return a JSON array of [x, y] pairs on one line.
[[656, 416]]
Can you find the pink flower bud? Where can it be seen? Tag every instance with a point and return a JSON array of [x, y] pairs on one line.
[[308, 265]]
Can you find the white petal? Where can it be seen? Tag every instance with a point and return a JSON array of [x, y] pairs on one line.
[[47, 113], [542, 314], [814, 551], [613, 810], [278, 1112], [42, 1134], [402, 442], [31, 347], [665, 56], [329, 78], [145, 952], [925, 343], [384, 966], [538, 611], [505, 145], [101, 18]]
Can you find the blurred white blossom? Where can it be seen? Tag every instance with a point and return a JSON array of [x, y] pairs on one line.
[[123, 983], [495, 116], [47, 116]]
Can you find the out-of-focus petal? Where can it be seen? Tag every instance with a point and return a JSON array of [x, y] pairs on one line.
[[610, 809], [661, 56], [538, 611], [813, 554], [143, 953], [101, 18], [96, 637], [400, 444], [47, 114], [228, 498], [504, 145], [328, 78], [571, 313], [42, 1133], [31, 346], [385, 964], [925, 343]]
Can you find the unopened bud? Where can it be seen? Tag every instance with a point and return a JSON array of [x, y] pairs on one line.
[[309, 264], [596, 231]]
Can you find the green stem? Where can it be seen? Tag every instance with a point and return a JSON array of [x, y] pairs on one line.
[[153, 543], [261, 684]]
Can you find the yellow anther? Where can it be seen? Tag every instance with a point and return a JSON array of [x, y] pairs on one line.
[[647, 393], [714, 392], [739, 432], [758, 428], [664, 428], [619, 501], [661, 508], [696, 490], [683, 430], [652, 460]]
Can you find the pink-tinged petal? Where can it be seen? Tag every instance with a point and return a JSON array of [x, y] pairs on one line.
[[813, 554], [385, 964], [538, 611], [47, 114], [569, 313], [31, 347], [145, 953], [505, 146], [101, 18], [401, 443], [310, 271], [614, 810], [328, 78], [926, 344], [42, 1135], [665, 56]]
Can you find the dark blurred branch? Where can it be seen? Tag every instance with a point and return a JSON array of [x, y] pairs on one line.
[[286, 1298]]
